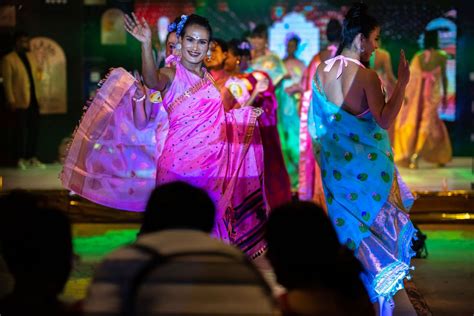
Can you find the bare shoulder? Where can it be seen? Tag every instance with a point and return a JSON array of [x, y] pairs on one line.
[[369, 77]]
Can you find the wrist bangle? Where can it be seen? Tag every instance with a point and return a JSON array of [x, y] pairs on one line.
[[139, 99]]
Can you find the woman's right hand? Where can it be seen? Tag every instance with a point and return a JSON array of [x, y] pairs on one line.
[[403, 69], [138, 29]]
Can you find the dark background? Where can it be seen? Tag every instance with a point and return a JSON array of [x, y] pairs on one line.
[[76, 27]]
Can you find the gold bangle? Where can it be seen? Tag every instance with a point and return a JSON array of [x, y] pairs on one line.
[[139, 99]]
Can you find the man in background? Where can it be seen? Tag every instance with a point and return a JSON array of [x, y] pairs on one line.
[[18, 69]]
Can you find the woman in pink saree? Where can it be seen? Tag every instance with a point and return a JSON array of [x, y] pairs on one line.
[[206, 146]]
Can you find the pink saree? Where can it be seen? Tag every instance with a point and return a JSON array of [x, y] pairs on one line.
[[276, 178], [109, 160], [205, 146]]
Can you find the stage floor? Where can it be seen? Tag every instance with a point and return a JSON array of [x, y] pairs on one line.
[[457, 175]]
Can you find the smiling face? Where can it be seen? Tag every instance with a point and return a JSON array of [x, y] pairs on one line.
[[370, 44], [194, 44], [217, 57]]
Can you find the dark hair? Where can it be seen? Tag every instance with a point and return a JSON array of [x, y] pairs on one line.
[[294, 38], [36, 241], [356, 21], [333, 30], [178, 205], [195, 19], [172, 27], [20, 34], [431, 40], [221, 43], [239, 48], [304, 250], [260, 30]]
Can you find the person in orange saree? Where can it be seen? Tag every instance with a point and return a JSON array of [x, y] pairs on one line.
[[419, 132]]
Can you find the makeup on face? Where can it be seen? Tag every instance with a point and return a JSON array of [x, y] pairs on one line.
[[194, 44]]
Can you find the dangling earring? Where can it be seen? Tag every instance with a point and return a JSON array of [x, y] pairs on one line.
[[208, 54], [362, 49], [177, 49]]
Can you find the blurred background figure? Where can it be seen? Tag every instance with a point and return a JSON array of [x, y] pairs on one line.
[[419, 132], [310, 187], [19, 69]]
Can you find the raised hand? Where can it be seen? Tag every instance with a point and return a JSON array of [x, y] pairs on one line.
[[138, 29], [403, 69]]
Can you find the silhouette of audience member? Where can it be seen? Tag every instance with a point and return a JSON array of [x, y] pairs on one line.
[[36, 245], [321, 276], [176, 268]]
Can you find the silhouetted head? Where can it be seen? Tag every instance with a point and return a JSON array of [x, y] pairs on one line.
[[36, 243], [431, 40], [22, 41], [178, 205], [305, 252]]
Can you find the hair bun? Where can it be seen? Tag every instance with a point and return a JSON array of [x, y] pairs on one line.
[[357, 10]]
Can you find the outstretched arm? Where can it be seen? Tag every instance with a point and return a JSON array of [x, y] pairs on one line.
[[386, 112], [155, 79]]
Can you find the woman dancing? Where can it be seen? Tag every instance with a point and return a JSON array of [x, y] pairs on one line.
[[205, 146], [366, 199]]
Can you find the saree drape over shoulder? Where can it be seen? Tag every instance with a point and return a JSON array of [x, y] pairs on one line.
[[276, 179], [366, 199], [205, 146], [418, 128]]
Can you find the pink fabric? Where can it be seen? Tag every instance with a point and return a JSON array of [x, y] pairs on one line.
[[344, 62], [276, 179], [215, 150], [109, 160], [114, 164]]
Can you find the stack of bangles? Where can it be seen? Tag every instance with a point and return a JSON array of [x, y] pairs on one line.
[[155, 97], [140, 99]]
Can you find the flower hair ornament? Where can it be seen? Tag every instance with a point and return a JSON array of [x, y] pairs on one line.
[[244, 46], [172, 27], [180, 26]]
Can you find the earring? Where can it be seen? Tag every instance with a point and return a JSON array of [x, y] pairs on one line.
[[362, 49], [177, 49]]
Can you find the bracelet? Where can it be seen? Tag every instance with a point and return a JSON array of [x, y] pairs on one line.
[[139, 99]]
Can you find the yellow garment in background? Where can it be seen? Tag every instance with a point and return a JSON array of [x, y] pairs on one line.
[[418, 128], [16, 81]]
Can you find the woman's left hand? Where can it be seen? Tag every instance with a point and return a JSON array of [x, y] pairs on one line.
[[140, 91]]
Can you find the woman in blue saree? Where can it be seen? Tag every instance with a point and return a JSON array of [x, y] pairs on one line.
[[366, 199]]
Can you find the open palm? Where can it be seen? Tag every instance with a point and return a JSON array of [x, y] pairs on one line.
[[138, 29]]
